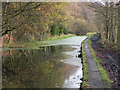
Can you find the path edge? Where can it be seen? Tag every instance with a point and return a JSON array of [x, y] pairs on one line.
[[85, 79]]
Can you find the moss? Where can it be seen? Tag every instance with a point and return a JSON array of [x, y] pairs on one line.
[[102, 71], [85, 68]]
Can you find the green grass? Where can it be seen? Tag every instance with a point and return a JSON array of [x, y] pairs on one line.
[[90, 33], [85, 68], [103, 73], [60, 37]]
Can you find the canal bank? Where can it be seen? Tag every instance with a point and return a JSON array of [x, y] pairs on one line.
[[94, 75]]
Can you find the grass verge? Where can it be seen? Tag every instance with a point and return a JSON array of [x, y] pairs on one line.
[[85, 68], [60, 37], [97, 60], [90, 33]]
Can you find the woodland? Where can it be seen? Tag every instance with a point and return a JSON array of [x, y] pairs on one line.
[[29, 21]]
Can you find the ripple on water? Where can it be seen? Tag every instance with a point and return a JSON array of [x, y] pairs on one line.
[[73, 81]]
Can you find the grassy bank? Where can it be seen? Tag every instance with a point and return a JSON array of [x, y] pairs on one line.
[[35, 43], [97, 60], [85, 68], [60, 37]]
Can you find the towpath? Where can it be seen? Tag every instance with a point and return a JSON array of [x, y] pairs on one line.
[[95, 80]]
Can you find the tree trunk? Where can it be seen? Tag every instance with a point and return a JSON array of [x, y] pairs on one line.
[[118, 32]]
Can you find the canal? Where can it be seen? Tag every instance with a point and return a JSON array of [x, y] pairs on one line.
[[54, 65]]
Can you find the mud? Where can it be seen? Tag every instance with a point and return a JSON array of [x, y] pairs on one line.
[[110, 57]]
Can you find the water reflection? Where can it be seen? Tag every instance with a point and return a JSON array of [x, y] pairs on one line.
[[76, 40], [73, 81], [40, 68], [47, 67]]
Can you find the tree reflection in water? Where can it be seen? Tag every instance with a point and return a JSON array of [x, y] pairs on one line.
[[38, 68]]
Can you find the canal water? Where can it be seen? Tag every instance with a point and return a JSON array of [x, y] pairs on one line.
[[54, 65]]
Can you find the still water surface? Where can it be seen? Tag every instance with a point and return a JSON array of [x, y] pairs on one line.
[[53, 66]]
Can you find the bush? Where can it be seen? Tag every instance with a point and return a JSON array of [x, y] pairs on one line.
[[65, 31], [53, 29], [61, 30]]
